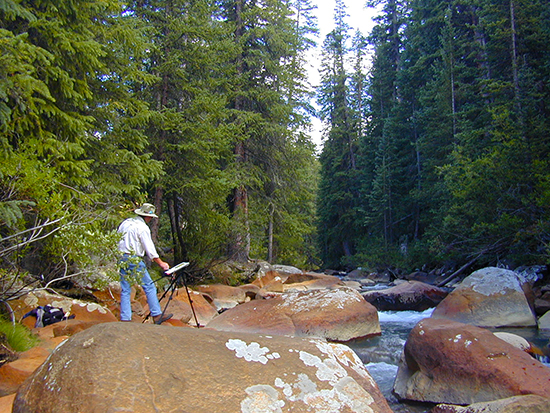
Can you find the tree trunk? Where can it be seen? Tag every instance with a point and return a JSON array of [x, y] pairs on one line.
[[270, 235], [239, 247], [157, 201], [180, 252]]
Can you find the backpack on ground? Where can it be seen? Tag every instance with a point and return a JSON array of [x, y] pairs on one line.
[[47, 315]]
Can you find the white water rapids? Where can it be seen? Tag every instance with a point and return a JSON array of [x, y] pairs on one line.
[[381, 354]]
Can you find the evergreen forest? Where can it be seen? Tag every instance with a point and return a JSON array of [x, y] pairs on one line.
[[437, 134]]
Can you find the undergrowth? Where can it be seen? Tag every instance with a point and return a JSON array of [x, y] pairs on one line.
[[19, 337]]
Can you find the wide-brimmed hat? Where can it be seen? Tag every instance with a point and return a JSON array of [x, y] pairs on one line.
[[146, 210]]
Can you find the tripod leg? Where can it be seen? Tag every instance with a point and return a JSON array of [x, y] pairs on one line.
[[171, 288], [190, 300]]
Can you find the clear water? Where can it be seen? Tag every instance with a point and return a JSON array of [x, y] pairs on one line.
[[381, 354]]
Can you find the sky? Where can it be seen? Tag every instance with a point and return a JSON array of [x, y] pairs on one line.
[[359, 18]]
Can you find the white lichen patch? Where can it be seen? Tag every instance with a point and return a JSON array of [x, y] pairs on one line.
[[351, 394], [262, 399], [347, 357], [31, 300], [344, 392], [251, 352], [91, 307], [337, 298], [328, 370], [88, 343], [483, 281]]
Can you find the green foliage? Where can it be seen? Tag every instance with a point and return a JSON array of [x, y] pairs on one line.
[[89, 248], [105, 103], [18, 336], [453, 151]]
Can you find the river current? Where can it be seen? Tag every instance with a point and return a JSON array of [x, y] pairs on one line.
[[381, 354]]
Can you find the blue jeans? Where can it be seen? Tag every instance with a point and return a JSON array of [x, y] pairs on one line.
[[147, 284]]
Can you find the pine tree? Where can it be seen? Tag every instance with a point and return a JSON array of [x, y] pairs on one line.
[[265, 103], [338, 203], [57, 65]]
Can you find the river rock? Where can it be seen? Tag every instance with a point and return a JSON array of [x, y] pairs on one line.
[[224, 296], [264, 278], [6, 403], [517, 404], [544, 321], [250, 291], [407, 295], [109, 297], [491, 297], [519, 342], [286, 269], [145, 368], [542, 304], [311, 281], [186, 307], [339, 315], [82, 310], [13, 374], [449, 362]]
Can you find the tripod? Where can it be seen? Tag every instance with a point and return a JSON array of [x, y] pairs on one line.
[[177, 274]]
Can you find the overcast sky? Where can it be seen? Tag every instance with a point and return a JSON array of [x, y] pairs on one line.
[[359, 18]]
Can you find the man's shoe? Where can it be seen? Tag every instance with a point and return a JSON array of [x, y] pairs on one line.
[[162, 318]]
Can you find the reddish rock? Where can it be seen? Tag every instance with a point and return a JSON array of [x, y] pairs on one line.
[[450, 362], [83, 311], [144, 368], [407, 295], [13, 374], [223, 296], [71, 327], [178, 304], [274, 281], [223, 292], [6, 403], [491, 297], [250, 291], [311, 281], [340, 315], [517, 404], [109, 297], [267, 277]]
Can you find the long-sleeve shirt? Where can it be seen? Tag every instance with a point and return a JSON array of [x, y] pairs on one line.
[[136, 238]]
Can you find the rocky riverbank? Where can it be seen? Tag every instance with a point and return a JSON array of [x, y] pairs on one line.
[[285, 311]]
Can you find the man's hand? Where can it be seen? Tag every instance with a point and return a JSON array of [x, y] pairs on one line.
[[164, 265]]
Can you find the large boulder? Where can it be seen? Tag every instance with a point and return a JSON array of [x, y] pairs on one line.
[[339, 315], [144, 368], [82, 310], [224, 296], [186, 305], [517, 404], [276, 281], [407, 295], [449, 362], [491, 297], [311, 281]]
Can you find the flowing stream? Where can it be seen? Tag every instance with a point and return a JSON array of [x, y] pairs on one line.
[[381, 354]]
